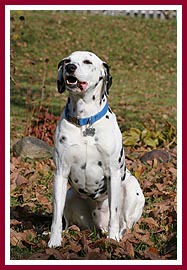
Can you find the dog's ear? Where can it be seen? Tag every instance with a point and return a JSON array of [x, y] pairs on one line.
[[60, 79], [108, 77]]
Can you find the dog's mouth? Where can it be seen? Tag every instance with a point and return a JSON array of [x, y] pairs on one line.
[[73, 82]]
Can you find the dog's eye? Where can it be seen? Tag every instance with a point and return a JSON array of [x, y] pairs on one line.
[[88, 62]]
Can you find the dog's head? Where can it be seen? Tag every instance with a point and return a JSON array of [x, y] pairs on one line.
[[82, 71]]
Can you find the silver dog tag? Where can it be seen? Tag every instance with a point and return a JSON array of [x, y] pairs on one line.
[[89, 132]]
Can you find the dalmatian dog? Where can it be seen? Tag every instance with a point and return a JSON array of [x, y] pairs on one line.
[[89, 154]]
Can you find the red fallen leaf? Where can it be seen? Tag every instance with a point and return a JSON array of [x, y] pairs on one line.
[[152, 253]]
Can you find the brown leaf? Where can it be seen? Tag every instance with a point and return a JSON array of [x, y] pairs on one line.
[[175, 204], [56, 253], [150, 222], [16, 239], [41, 198], [19, 238], [74, 246], [20, 180], [130, 249], [160, 187], [173, 171], [144, 238], [14, 222], [152, 253], [39, 256]]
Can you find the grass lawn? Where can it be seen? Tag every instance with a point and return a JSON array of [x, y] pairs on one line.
[[142, 56]]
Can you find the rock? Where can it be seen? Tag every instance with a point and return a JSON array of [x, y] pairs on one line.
[[33, 148], [161, 155]]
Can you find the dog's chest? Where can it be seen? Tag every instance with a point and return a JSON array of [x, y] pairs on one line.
[[88, 170]]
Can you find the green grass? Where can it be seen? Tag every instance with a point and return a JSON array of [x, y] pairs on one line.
[[141, 53]]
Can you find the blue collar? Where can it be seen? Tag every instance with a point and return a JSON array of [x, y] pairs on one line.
[[85, 121]]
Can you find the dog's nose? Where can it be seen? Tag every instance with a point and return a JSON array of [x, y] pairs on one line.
[[70, 68]]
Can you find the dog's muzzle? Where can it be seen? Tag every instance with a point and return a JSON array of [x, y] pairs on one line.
[[72, 82]]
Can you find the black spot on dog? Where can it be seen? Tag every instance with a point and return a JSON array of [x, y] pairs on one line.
[[119, 160], [109, 178], [93, 196], [94, 214], [82, 191], [109, 110], [102, 190], [69, 180], [96, 182], [107, 116], [93, 97], [121, 166], [137, 194], [103, 99], [96, 190], [76, 181], [62, 139], [100, 163], [116, 209], [101, 184], [96, 139], [83, 167], [123, 178], [93, 69], [121, 152], [96, 84]]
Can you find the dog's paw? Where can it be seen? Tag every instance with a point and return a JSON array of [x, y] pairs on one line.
[[55, 241], [115, 237]]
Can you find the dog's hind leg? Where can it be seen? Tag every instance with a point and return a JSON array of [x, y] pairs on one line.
[[133, 201]]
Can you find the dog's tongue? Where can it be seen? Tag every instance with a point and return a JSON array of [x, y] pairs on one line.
[[83, 85]]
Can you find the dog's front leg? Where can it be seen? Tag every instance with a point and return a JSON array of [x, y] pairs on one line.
[[59, 197], [114, 196]]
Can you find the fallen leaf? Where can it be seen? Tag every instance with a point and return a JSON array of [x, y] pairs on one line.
[[151, 253], [130, 249], [150, 222], [20, 180]]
